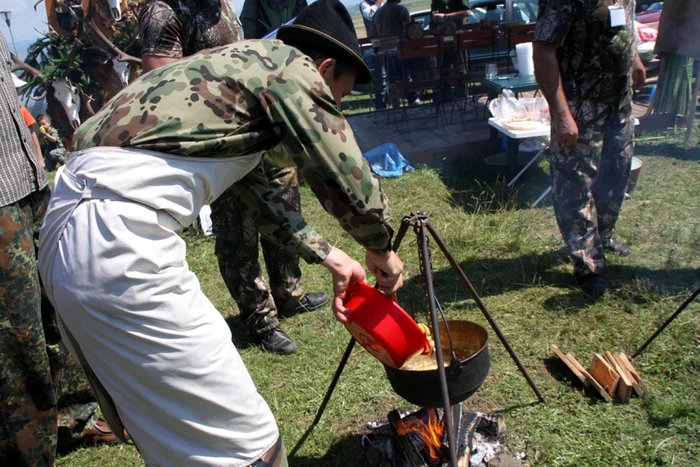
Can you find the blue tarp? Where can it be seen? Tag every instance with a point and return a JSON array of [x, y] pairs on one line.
[[387, 161]]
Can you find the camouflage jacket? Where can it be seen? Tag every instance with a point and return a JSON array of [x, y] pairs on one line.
[[178, 28], [595, 59], [242, 99]]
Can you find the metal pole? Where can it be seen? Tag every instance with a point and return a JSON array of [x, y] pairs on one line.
[[668, 321], [509, 13], [691, 111], [483, 309], [447, 416], [327, 397]]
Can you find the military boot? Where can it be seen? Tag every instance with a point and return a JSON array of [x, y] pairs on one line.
[[276, 341]]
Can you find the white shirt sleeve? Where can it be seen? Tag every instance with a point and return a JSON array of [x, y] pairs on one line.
[[368, 10]]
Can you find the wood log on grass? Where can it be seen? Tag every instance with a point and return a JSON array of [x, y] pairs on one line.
[[605, 374]]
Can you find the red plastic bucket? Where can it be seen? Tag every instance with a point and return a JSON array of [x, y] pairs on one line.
[[382, 327]]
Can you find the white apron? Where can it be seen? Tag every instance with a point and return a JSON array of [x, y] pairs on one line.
[[155, 348]]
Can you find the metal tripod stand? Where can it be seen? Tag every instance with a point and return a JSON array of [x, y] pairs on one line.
[[420, 223], [667, 322]]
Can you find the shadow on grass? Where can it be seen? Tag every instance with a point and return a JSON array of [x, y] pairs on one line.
[[479, 188], [239, 332], [674, 150], [347, 451], [560, 372]]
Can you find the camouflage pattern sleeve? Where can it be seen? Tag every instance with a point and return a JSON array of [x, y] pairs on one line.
[[322, 145], [554, 20], [160, 31]]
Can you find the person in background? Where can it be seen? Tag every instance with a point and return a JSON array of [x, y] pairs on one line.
[[170, 30], [390, 21], [31, 124], [369, 8], [452, 61], [585, 65], [156, 349], [450, 10], [44, 396], [54, 150], [259, 17]]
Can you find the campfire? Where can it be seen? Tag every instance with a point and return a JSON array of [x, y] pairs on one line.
[[419, 439]]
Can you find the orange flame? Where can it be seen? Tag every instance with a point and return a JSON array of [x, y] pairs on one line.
[[431, 433]]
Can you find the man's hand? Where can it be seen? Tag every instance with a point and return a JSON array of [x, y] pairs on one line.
[[346, 272], [437, 17], [388, 269], [565, 129], [639, 73]]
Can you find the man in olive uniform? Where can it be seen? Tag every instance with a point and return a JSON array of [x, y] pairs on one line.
[[585, 63], [170, 30], [157, 351]]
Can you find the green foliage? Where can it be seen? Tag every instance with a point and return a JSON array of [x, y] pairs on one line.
[[57, 57]]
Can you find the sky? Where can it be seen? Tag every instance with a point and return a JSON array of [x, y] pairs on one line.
[[23, 19]]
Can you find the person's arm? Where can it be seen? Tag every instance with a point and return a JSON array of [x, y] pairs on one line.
[[151, 62], [564, 128], [37, 147], [46, 135], [639, 73], [368, 10], [553, 24], [460, 10], [453, 16], [405, 16], [319, 141], [160, 32], [374, 32]]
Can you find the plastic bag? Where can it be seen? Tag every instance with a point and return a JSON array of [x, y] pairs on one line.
[[542, 111], [514, 111], [386, 160]]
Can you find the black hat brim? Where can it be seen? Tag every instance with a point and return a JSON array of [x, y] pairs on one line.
[[302, 37]]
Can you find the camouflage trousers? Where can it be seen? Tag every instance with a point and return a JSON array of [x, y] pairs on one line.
[[38, 374], [588, 186], [237, 241]]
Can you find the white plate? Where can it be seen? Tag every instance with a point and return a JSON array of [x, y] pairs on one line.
[[523, 126]]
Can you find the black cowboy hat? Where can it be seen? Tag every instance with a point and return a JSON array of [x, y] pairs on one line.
[[326, 26]]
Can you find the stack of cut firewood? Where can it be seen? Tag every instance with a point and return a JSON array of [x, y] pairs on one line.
[[611, 375]]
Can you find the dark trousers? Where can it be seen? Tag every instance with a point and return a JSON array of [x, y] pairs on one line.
[[588, 185], [237, 246]]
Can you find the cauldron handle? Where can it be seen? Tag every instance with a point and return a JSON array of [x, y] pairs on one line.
[[455, 360]]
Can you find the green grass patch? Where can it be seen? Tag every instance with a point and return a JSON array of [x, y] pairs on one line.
[[516, 260]]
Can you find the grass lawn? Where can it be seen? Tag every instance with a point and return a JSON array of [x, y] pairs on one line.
[[516, 259]]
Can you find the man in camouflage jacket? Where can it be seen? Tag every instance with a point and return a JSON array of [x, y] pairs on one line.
[[170, 30], [585, 66], [158, 353]]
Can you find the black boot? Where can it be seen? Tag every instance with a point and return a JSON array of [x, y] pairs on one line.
[[309, 302], [615, 246], [593, 284], [276, 341]]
